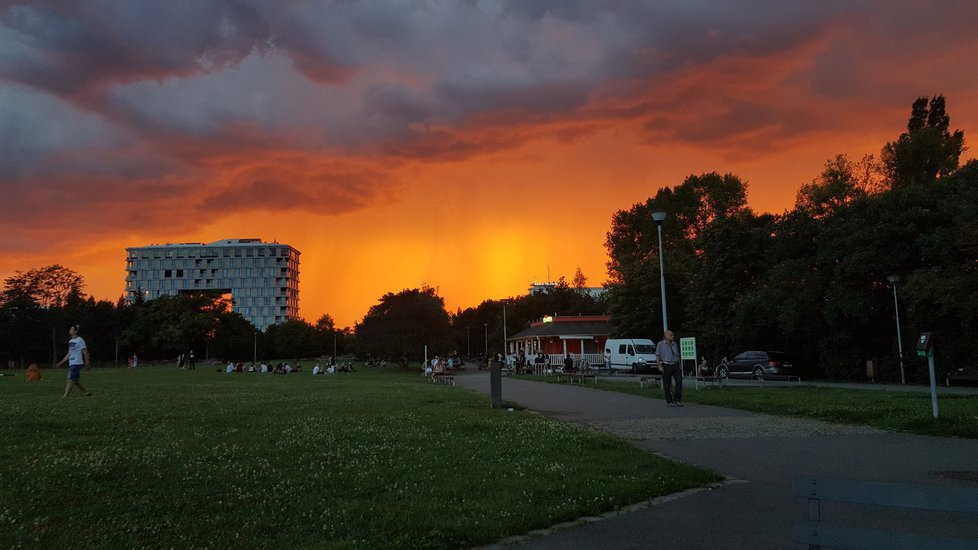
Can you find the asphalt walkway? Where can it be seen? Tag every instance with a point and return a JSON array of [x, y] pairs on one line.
[[759, 454]]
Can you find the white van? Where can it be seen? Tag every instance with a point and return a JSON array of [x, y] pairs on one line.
[[634, 355]]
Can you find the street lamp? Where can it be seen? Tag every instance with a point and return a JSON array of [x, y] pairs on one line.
[[659, 216], [505, 343], [894, 279]]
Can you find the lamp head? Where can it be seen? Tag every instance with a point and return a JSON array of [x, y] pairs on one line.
[[894, 279], [659, 216]]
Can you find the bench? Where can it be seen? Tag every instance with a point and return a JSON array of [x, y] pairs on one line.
[[963, 377], [711, 381], [580, 377], [649, 380], [816, 534], [779, 378], [443, 379]]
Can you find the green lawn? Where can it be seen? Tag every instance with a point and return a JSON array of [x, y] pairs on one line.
[[900, 411], [160, 457]]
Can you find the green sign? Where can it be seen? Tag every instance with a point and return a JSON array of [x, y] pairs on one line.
[[687, 348]]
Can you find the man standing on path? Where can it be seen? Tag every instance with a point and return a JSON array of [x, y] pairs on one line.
[[77, 357], [668, 357]]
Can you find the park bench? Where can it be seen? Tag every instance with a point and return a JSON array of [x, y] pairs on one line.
[[779, 378], [649, 380], [962, 377], [443, 378], [918, 498], [710, 381], [579, 377]]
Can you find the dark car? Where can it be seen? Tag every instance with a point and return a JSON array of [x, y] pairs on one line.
[[757, 364]]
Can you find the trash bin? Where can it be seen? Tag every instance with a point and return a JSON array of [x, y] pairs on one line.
[[872, 369]]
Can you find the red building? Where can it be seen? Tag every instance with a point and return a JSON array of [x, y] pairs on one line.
[[581, 335]]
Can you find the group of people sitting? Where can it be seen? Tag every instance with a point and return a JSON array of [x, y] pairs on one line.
[[281, 368], [331, 368], [443, 364]]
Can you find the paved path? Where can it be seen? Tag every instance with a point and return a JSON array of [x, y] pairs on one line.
[[759, 454]]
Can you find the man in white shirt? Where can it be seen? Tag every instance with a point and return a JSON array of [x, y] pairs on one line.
[[77, 357]]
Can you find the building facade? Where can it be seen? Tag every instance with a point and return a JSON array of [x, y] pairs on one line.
[[261, 278], [582, 334]]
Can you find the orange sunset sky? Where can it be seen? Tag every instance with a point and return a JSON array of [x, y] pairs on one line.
[[475, 147]]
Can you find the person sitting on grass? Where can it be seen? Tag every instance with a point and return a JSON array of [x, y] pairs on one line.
[[33, 373]]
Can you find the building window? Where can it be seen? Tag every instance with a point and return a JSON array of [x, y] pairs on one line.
[[168, 273]]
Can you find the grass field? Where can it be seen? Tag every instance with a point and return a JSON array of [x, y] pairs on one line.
[[160, 457], [899, 411]]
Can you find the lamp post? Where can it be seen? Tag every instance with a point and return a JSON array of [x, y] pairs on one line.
[[659, 216], [505, 350], [894, 279], [468, 341], [486, 325]]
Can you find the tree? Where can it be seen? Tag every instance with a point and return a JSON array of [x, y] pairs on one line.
[[401, 325], [633, 290], [580, 281], [294, 338], [928, 149], [170, 325], [329, 336], [47, 287], [833, 189]]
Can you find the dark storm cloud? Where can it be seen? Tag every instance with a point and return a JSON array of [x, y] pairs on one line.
[[188, 89], [78, 49], [274, 190], [520, 61]]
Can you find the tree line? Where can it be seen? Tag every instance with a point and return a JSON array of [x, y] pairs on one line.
[[38, 306], [815, 281]]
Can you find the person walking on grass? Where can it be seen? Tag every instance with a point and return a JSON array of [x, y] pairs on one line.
[[667, 356], [76, 358]]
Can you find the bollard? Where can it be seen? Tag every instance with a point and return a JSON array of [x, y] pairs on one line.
[[496, 384]]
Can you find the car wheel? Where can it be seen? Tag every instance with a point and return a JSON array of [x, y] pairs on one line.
[[758, 373], [722, 373]]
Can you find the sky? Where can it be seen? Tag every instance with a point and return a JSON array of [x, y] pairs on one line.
[[471, 146]]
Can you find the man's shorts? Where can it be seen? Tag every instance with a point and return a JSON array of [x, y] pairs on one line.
[[74, 371]]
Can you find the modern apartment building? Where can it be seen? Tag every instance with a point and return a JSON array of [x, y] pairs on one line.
[[261, 278]]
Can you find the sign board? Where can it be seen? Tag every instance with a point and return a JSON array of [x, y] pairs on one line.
[[687, 348]]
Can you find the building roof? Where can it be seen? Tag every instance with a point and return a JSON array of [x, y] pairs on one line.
[[592, 325]]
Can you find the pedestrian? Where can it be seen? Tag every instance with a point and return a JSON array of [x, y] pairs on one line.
[[191, 363], [607, 360], [667, 356], [76, 358]]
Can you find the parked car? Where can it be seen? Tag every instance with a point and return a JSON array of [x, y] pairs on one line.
[[756, 364]]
